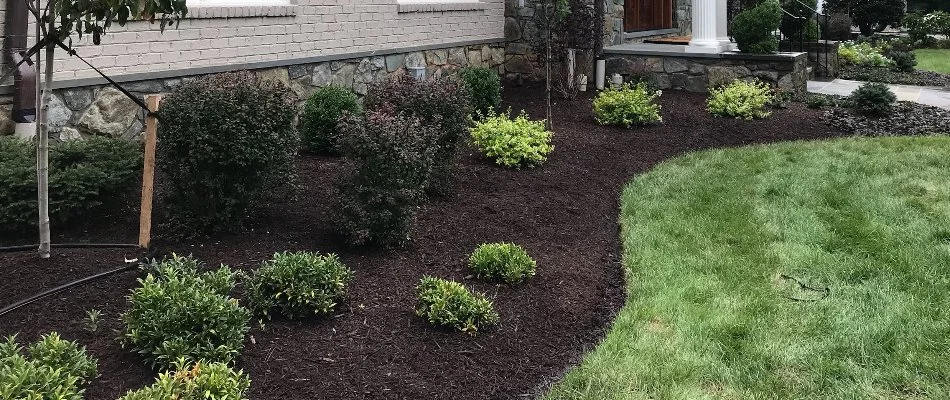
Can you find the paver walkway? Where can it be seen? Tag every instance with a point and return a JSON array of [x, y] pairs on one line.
[[931, 96]]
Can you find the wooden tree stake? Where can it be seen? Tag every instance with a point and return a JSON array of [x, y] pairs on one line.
[[148, 172]]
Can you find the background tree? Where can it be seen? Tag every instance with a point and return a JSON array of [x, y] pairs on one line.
[[870, 15]]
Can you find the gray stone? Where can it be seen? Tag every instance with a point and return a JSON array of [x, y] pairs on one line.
[[416, 59], [437, 57], [322, 75], [344, 76], [369, 70], [474, 58], [696, 84], [336, 65], [302, 87], [519, 64], [678, 81], [457, 56], [67, 134], [512, 29], [771, 76], [296, 71], [152, 86], [395, 61], [275, 74], [77, 99], [661, 80], [786, 83], [111, 114], [6, 99], [486, 55], [135, 131], [498, 56], [653, 64], [720, 75], [6, 122], [526, 12], [57, 114], [697, 69], [377, 63], [172, 84], [511, 8], [671, 64], [518, 48]]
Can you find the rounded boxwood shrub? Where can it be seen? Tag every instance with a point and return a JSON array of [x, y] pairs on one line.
[[513, 142], [181, 314], [299, 284], [447, 303], [740, 99], [484, 89], [85, 177], [502, 261], [227, 142], [54, 369], [904, 61], [874, 99], [754, 29], [201, 380], [324, 108], [627, 106]]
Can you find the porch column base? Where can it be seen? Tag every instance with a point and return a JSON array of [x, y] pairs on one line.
[[708, 46]]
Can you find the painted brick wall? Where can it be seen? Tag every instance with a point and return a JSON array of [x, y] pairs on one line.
[[219, 36]]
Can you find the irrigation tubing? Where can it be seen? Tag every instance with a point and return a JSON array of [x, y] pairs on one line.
[[27, 247]]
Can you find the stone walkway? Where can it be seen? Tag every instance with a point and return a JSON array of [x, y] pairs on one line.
[[931, 96]]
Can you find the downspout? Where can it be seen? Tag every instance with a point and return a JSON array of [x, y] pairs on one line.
[[15, 29]]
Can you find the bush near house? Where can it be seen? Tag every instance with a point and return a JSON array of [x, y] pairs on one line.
[[502, 261], [201, 380], [324, 108], [447, 303], [874, 99], [54, 368], [228, 142], [512, 142], [741, 100], [299, 284], [753, 29], [85, 176], [627, 106], [182, 314], [484, 89]]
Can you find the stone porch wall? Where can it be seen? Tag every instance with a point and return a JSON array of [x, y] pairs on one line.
[[102, 110], [695, 73]]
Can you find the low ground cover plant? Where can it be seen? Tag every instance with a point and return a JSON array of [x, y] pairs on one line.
[[318, 122], [200, 380], [228, 142], [52, 368], [873, 98], [513, 142], [447, 303], [502, 261], [392, 160], [85, 177], [740, 99], [754, 28], [299, 284], [484, 89], [863, 54], [181, 312], [628, 105]]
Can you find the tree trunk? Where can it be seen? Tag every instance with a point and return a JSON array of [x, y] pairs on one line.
[[42, 140], [550, 22]]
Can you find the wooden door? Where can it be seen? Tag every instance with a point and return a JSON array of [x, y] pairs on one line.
[[641, 15]]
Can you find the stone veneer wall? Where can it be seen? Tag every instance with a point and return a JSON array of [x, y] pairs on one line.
[[787, 71], [103, 110]]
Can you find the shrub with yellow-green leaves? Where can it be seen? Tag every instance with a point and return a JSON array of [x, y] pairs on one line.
[[513, 142]]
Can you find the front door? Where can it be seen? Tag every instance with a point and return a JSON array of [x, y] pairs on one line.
[[642, 15]]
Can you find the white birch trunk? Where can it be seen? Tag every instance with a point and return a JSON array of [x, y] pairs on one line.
[[42, 141]]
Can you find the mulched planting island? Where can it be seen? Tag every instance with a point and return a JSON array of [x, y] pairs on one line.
[[563, 212], [908, 118], [886, 75]]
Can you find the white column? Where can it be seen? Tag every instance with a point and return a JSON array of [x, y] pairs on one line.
[[709, 27]]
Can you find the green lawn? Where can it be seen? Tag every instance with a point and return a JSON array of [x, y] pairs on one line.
[[716, 242], [937, 60]]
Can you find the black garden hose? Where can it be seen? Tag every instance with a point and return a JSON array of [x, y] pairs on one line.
[[27, 247]]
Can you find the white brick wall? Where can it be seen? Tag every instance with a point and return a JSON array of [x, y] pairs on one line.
[[316, 28]]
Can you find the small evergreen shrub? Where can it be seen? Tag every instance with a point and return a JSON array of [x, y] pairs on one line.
[[753, 29], [440, 104], [627, 106], [839, 26], [318, 123], [179, 312], [54, 369], [903, 61], [740, 99], [484, 89], [503, 261], [392, 158], [513, 142], [85, 177], [299, 284], [202, 380], [446, 303], [228, 141], [874, 98]]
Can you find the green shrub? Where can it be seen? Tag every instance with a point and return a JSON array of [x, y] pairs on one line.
[[753, 29], [441, 104], [85, 177], [392, 159], [207, 381], [505, 261], [862, 54], [484, 89], [876, 15], [903, 61], [874, 98], [512, 142], [179, 312], [324, 108], [918, 28], [446, 303], [227, 142], [55, 369], [627, 106], [818, 101], [740, 99], [299, 284], [839, 26]]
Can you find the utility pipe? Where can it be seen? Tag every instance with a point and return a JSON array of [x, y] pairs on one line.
[[16, 28]]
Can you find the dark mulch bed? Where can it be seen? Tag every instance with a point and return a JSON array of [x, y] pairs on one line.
[[885, 75], [563, 212], [908, 118]]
